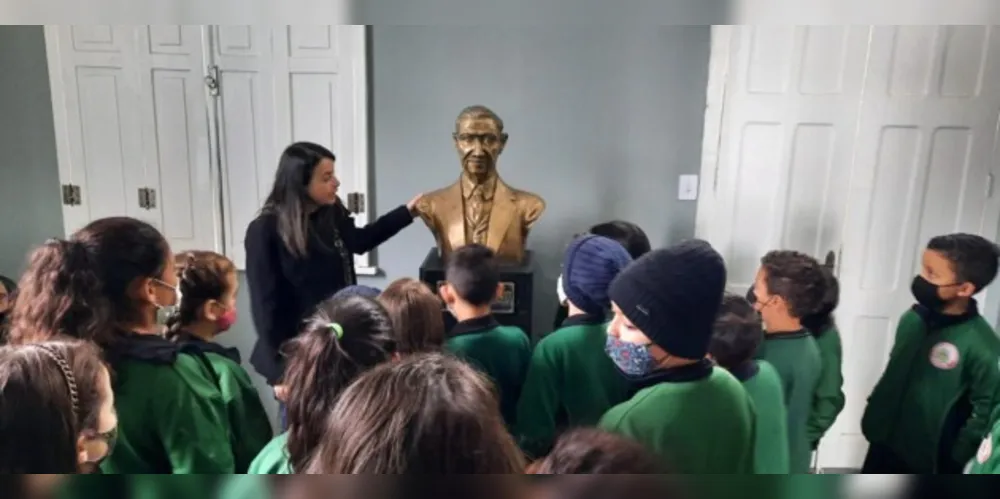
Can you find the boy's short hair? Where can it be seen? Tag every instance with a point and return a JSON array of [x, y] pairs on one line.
[[973, 258], [797, 278], [628, 234], [737, 334], [472, 270]]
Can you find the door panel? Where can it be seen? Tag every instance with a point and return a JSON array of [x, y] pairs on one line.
[[924, 157]]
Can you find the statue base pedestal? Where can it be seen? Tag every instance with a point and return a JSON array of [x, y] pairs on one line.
[[513, 309]]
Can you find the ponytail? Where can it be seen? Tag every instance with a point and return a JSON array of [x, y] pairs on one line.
[[60, 296], [80, 287], [345, 337]]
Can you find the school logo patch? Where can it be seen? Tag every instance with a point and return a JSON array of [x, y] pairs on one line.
[[985, 450], [945, 356]]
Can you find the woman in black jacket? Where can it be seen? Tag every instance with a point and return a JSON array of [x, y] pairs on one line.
[[300, 250]]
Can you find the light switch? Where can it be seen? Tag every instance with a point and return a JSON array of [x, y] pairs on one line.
[[687, 189]]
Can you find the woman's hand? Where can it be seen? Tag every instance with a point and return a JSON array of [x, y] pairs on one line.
[[412, 205], [281, 393]]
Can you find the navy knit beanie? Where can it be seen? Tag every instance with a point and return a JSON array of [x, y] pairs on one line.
[[673, 295], [590, 264]]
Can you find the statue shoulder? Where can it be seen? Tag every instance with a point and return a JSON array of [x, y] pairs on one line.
[[532, 205]]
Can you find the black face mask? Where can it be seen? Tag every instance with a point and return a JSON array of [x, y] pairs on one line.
[[926, 293]]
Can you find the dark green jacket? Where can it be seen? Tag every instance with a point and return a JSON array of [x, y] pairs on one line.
[[796, 358], [571, 382], [249, 422], [697, 417], [828, 400], [172, 418], [500, 352], [987, 458], [932, 405], [763, 383]]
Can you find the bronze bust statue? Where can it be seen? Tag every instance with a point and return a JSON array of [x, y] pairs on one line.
[[480, 208]]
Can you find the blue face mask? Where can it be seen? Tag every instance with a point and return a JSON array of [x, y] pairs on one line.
[[631, 358]]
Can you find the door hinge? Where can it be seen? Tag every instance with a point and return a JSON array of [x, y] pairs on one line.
[[356, 202], [71, 195], [147, 198], [212, 80]]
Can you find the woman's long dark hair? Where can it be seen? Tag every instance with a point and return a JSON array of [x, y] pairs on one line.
[[423, 414], [289, 199], [38, 425], [322, 362], [79, 287]]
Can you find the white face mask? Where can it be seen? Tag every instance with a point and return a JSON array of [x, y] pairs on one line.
[[165, 312], [560, 291]]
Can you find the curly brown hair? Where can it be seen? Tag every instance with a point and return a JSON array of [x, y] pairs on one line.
[[797, 278], [201, 276], [416, 316], [79, 287]]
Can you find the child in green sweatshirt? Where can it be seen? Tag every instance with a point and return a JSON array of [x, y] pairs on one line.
[[472, 283], [208, 286], [695, 416], [931, 408], [828, 400], [987, 458], [735, 341], [790, 285], [571, 381]]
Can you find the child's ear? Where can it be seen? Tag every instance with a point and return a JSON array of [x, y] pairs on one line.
[[210, 310], [447, 293], [966, 289]]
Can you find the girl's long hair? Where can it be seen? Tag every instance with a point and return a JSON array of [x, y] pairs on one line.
[[323, 360], [201, 276], [416, 315], [423, 414], [39, 425], [80, 287]]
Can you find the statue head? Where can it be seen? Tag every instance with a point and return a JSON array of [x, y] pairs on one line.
[[479, 139]]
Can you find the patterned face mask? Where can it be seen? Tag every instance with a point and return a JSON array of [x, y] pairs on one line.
[[632, 359]]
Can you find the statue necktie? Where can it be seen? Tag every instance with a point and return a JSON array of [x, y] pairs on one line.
[[478, 219]]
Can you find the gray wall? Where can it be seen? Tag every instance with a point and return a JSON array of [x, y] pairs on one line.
[[602, 121], [29, 178]]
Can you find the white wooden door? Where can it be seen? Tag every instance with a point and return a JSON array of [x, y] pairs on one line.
[[98, 135], [174, 123], [780, 176], [281, 85], [924, 164], [130, 114]]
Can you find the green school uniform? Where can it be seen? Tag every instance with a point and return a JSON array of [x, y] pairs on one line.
[[987, 458], [501, 352], [246, 487], [763, 384], [828, 399], [937, 392], [273, 458], [247, 418], [571, 382], [797, 359], [697, 417], [172, 418]]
